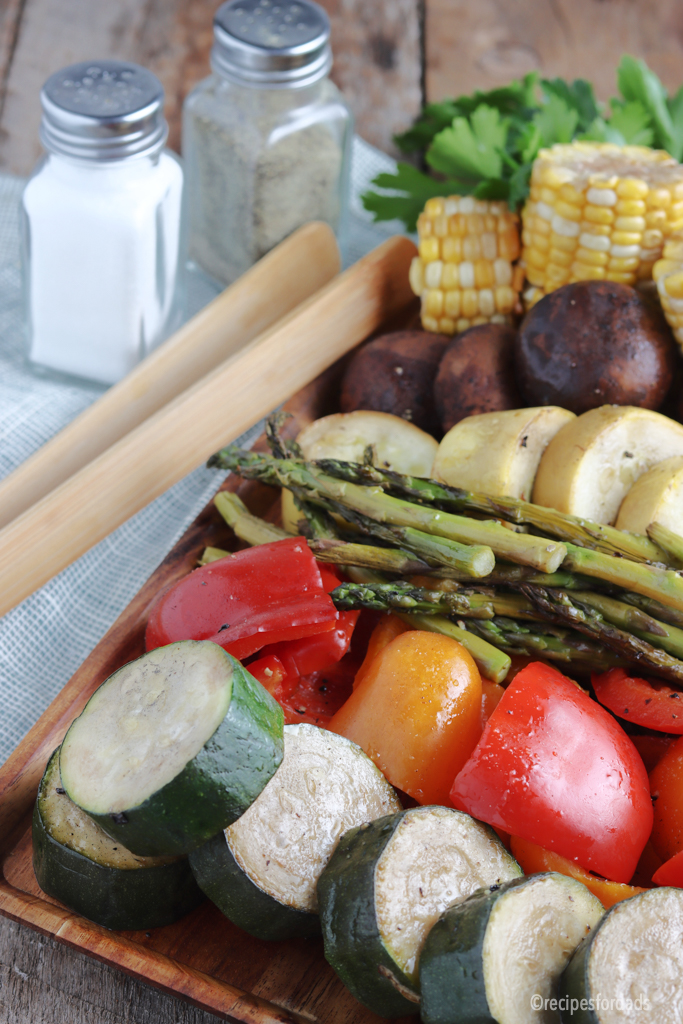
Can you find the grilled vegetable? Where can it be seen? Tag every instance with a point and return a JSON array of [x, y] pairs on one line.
[[78, 864], [262, 871], [598, 211], [489, 959], [631, 965], [386, 885], [668, 273], [498, 453], [593, 343], [591, 463], [655, 497], [649, 703], [416, 713], [666, 783], [172, 748], [475, 375], [554, 767], [395, 374], [397, 444], [464, 273]]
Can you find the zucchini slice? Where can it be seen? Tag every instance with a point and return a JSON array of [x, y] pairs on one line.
[[172, 748], [631, 967], [492, 958], [262, 871], [78, 864], [386, 885]]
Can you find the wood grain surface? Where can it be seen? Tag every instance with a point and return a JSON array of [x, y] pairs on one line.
[[485, 44]]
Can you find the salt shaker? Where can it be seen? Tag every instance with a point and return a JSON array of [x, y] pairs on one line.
[[266, 138], [101, 223]]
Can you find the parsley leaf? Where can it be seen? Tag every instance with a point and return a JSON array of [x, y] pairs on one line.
[[578, 96], [470, 149], [555, 121], [638, 83], [416, 187]]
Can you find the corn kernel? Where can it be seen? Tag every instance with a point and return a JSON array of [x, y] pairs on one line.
[[625, 251], [415, 275], [656, 219], [433, 301], [451, 249], [555, 273], [466, 273], [677, 191], [620, 277], [434, 207], [652, 238], [601, 196], [450, 277], [541, 242], [499, 318], [489, 245], [568, 210], [658, 198], [631, 188], [541, 226], [553, 177], [441, 226], [570, 194], [626, 238], [673, 250], [630, 208], [430, 323], [490, 222], [527, 237], [458, 225], [432, 274], [568, 228], [446, 325], [548, 195], [505, 299], [462, 324], [451, 205], [674, 285], [535, 258], [582, 272], [598, 214], [487, 306], [475, 224], [429, 249], [424, 226], [591, 257], [623, 265], [598, 243], [452, 303], [589, 228], [467, 204], [502, 272], [484, 276], [630, 224], [471, 248], [562, 242], [470, 303], [481, 205], [560, 257]]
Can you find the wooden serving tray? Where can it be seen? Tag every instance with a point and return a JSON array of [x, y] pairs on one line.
[[202, 957]]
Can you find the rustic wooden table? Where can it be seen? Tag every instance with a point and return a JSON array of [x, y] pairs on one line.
[[390, 55]]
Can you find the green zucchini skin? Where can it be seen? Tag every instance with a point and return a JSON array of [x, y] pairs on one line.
[[346, 895], [122, 899], [221, 878], [217, 786], [574, 983], [451, 975]]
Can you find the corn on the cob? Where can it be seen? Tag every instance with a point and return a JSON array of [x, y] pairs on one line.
[[668, 273], [464, 273], [597, 211]]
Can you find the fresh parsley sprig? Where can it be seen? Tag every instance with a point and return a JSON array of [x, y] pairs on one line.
[[485, 144]]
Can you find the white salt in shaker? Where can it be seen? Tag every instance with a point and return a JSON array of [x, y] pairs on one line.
[[101, 223], [266, 138]]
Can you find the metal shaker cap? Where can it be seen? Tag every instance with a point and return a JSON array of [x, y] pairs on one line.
[[271, 43], [103, 110]]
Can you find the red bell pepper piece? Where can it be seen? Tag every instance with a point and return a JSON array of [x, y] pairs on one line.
[[246, 600], [671, 871], [315, 653], [555, 768], [646, 702]]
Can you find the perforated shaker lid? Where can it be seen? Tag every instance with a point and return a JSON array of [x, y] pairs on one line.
[[274, 43], [103, 110]]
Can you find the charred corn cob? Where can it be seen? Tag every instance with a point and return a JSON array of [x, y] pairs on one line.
[[668, 273], [464, 273], [597, 211]]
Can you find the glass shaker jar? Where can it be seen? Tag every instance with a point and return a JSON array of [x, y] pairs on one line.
[[266, 138], [101, 223]]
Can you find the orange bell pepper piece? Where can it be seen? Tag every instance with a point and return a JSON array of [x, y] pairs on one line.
[[386, 630], [534, 859], [416, 713]]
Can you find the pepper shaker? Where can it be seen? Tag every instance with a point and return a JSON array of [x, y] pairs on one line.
[[101, 223], [266, 138]]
